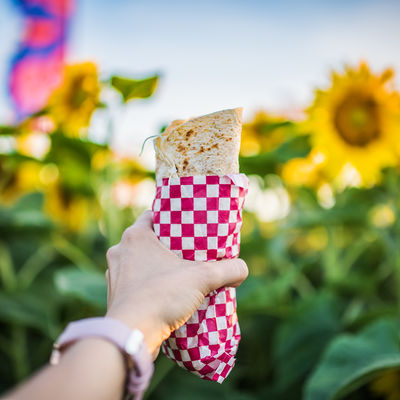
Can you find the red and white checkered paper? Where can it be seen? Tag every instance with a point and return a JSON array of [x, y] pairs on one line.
[[199, 218]]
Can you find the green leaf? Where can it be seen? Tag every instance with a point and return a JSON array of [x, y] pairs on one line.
[[134, 88], [27, 309], [333, 216], [307, 212], [301, 338], [25, 216], [8, 130], [268, 127], [266, 163], [264, 294], [352, 360], [89, 286], [31, 201], [73, 159]]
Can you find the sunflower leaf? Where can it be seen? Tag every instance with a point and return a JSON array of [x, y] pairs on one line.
[[26, 308], [259, 294], [266, 163], [350, 361], [89, 286], [302, 337], [8, 130], [267, 128], [134, 88], [25, 216]]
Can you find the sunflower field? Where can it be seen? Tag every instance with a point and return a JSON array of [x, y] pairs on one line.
[[320, 311]]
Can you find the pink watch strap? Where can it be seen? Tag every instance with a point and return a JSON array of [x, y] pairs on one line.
[[128, 341]]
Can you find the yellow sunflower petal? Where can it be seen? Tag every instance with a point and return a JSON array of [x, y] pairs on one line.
[[73, 103], [356, 122]]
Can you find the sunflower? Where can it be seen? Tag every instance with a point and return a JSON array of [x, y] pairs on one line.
[[19, 181], [355, 123], [70, 210], [307, 171], [72, 104]]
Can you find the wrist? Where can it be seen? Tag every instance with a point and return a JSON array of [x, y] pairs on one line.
[[128, 341], [148, 326], [94, 345]]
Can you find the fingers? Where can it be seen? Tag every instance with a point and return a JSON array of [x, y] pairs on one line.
[[145, 220], [155, 353], [143, 224], [112, 254], [141, 233], [108, 286], [225, 273]]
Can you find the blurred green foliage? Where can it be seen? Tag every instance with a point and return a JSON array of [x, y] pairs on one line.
[[319, 312]]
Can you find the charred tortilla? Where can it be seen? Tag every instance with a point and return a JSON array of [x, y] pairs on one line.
[[206, 145]]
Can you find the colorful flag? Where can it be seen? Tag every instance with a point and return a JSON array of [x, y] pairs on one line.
[[37, 66]]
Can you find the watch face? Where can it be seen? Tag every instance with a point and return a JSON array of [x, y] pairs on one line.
[[133, 342]]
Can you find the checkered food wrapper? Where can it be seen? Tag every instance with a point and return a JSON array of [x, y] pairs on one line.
[[199, 218]]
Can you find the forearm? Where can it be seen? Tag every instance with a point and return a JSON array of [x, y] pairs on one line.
[[163, 290], [90, 369]]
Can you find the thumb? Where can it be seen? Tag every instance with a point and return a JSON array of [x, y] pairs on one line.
[[225, 273]]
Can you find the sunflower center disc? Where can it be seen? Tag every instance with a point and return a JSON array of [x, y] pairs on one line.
[[357, 119]]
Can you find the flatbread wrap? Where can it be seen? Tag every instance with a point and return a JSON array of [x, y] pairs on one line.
[[206, 145], [197, 214]]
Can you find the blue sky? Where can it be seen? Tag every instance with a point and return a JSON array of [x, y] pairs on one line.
[[219, 54]]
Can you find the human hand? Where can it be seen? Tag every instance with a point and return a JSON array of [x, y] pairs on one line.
[[152, 289]]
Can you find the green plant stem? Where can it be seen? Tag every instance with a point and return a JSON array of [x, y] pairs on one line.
[[304, 286], [392, 186], [7, 273], [34, 265], [396, 249], [111, 220], [19, 352], [330, 258], [73, 253], [397, 268], [354, 252], [5, 345]]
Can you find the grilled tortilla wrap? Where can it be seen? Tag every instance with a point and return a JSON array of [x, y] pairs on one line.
[[206, 145]]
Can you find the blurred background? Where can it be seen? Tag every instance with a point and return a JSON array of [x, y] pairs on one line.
[[84, 83]]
